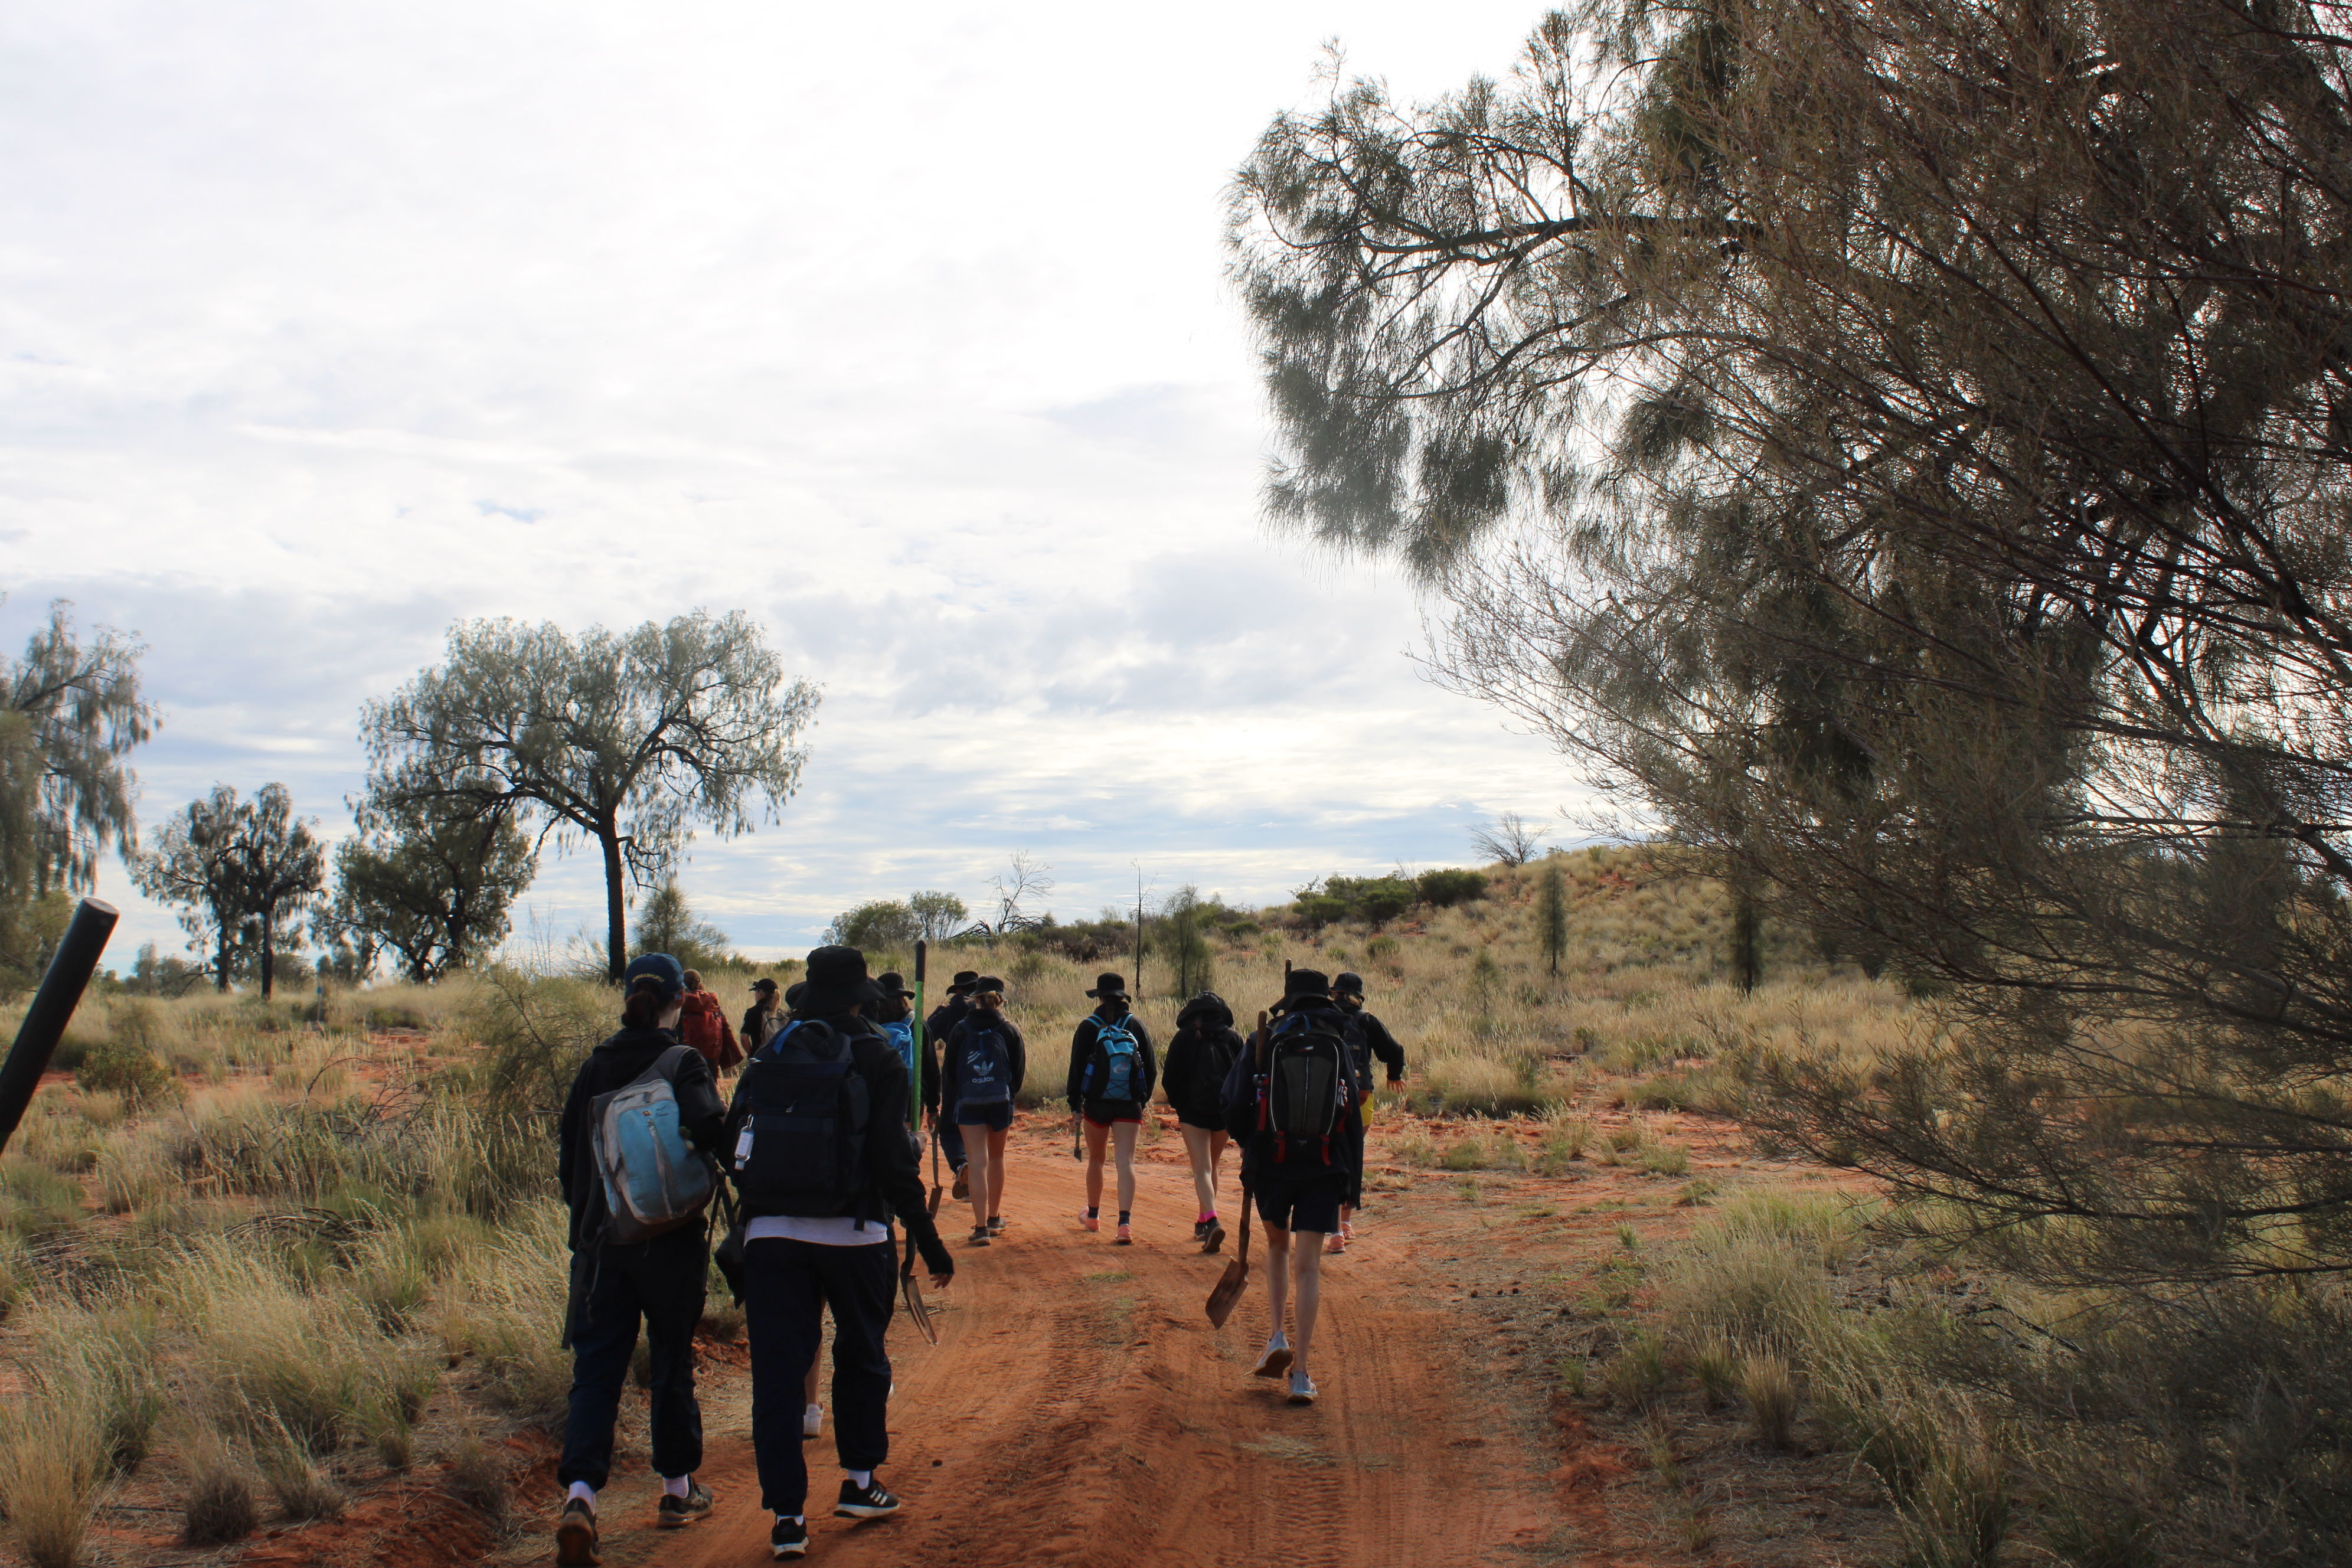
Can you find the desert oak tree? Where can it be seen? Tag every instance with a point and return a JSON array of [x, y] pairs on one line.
[[630, 740]]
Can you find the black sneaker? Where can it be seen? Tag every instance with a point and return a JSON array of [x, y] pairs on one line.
[[1216, 1239], [677, 1513], [868, 1501], [788, 1540], [996, 1225], [979, 1237], [1200, 1230], [576, 1536]]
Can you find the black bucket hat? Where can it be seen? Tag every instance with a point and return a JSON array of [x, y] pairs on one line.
[[965, 982], [1107, 987], [891, 982], [987, 983], [1304, 982], [1349, 984], [838, 982]]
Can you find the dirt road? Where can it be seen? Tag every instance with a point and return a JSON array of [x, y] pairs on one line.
[[1080, 1407]]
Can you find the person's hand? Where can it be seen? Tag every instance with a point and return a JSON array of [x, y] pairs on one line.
[[941, 1282]]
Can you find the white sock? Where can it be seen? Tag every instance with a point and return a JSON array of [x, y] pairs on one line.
[[860, 1478], [815, 1410], [792, 1519], [584, 1492], [676, 1486]]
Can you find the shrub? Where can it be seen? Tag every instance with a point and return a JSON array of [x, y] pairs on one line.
[[303, 1490], [478, 1477], [1769, 1386], [1444, 888], [1563, 1146], [218, 1506], [1637, 1374], [52, 1457], [1666, 1159], [128, 1069]]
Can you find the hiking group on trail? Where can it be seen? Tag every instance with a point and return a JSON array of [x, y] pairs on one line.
[[816, 1156]]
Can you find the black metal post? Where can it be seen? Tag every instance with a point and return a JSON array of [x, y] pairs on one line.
[[53, 1007]]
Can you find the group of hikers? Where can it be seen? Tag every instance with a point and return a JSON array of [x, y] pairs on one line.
[[816, 1154]]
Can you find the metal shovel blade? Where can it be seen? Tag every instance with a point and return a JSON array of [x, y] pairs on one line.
[[916, 1307], [1235, 1278]]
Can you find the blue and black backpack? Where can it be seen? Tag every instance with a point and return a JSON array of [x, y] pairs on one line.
[[1111, 1073]]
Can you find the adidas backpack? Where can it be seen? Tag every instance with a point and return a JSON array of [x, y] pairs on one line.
[[987, 1077], [1303, 1095], [654, 1181], [1111, 1075], [802, 1112]]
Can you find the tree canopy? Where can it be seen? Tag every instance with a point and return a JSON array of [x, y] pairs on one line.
[[628, 740], [1902, 448], [244, 873], [430, 887]]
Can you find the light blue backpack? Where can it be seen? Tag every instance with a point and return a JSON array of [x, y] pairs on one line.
[[654, 1181]]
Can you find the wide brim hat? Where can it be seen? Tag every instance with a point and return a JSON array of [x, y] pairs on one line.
[[1304, 982], [1109, 986], [891, 982], [965, 982], [989, 983], [1347, 982], [838, 981]]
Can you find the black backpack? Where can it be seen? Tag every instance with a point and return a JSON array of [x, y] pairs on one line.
[[801, 1115], [1303, 1092], [987, 1075]]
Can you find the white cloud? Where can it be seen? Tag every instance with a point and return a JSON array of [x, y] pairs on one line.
[[320, 327]]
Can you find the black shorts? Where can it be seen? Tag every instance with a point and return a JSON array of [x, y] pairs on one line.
[[1311, 1205], [997, 1116]]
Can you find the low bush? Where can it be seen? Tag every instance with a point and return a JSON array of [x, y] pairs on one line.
[[218, 1506], [52, 1459], [130, 1070]]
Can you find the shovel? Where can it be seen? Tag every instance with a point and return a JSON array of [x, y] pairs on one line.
[[1235, 1278], [1077, 1148], [914, 1294]]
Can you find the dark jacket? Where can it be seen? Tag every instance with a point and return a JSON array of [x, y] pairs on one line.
[[617, 1063], [1368, 1037], [1082, 1051], [1016, 1052], [1240, 1102], [1199, 1057], [936, 1030], [893, 1176]]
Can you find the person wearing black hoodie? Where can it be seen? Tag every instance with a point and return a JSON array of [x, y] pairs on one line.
[[936, 1030], [1113, 1110], [1298, 1192], [1199, 1054], [615, 1284], [985, 1064], [1368, 1040], [797, 1263]]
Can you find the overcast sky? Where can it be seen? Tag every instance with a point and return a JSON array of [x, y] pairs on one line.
[[905, 327]]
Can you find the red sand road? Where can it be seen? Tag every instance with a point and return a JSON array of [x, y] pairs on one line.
[[1079, 1408]]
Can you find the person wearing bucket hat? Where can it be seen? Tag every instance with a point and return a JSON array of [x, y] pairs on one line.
[[1199, 1054], [763, 1017], [1368, 1039], [621, 1274], [1112, 1072], [936, 1030], [898, 1021], [1288, 1102], [985, 1063], [817, 1234]]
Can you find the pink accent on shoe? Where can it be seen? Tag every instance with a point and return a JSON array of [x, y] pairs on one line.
[[1092, 1222]]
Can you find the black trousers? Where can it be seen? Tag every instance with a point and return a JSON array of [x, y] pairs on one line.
[[787, 1285], [662, 1281]]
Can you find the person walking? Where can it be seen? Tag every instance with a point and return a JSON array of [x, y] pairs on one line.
[[763, 1017], [1112, 1071], [1200, 1054], [820, 1169], [1368, 1040], [616, 1282], [986, 1064], [936, 1030], [1288, 1100], [702, 1024]]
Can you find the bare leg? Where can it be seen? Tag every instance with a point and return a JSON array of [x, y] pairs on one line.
[[978, 1168], [1204, 1164], [996, 1140], [1278, 1274], [1097, 1136], [1308, 1259], [1123, 1138]]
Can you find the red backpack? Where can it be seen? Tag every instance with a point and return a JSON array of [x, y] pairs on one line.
[[702, 1024]]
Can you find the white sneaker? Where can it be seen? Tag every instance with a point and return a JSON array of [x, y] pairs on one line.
[[813, 1421], [1276, 1360]]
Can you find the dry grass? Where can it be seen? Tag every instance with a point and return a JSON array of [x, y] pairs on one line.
[[52, 1462]]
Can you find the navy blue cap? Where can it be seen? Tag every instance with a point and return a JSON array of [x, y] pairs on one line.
[[658, 966]]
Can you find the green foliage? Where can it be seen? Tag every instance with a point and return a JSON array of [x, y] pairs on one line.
[[243, 873], [127, 1067], [628, 742], [879, 925], [1377, 899], [428, 886], [1552, 914], [70, 713], [1185, 922], [667, 923], [1445, 888]]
